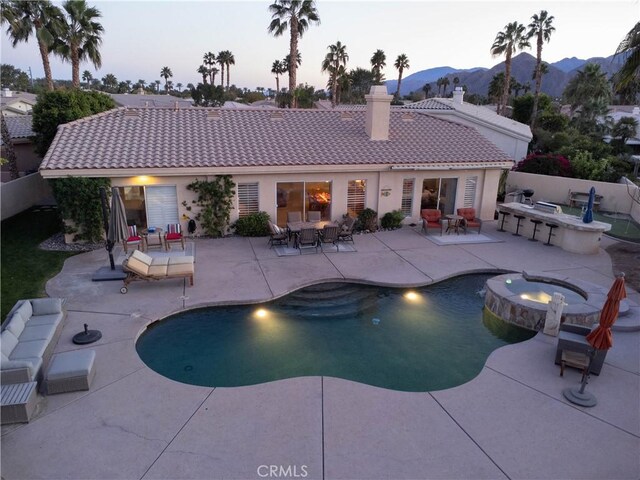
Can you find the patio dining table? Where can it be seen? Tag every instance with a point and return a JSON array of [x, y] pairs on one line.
[[295, 227]]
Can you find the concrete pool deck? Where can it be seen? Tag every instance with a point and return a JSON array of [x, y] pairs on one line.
[[511, 421]]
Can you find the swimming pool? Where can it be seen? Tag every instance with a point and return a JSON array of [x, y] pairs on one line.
[[421, 339]]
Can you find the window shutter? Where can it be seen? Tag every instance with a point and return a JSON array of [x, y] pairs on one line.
[[407, 196], [356, 196], [470, 192], [162, 206], [248, 199]]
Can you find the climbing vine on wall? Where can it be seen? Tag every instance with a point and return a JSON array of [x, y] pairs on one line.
[[215, 199], [78, 200]]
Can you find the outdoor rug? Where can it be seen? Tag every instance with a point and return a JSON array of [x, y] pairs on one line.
[[176, 251], [462, 239], [283, 251]]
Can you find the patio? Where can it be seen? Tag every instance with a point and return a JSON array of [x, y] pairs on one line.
[[509, 422]]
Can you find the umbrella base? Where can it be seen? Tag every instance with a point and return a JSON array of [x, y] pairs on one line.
[[105, 274], [585, 399]]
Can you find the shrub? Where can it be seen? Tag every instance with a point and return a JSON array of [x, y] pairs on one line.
[[586, 167], [391, 220], [254, 225], [215, 199], [545, 164], [367, 220]]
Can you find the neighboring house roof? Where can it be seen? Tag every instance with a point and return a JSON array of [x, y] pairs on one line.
[[476, 113], [134, 100], [25, 97], [19, 126], [157, 138]]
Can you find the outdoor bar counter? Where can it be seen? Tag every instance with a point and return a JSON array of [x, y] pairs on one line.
[[572, 234]]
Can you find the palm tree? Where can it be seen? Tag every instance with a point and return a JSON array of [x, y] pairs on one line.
[[204, 71], [166, 73], [179, 86], [287, 61], [226, 59], [445, 84], [157, 82], [336, 56], [630, 71], [141, 83], [589, 85], [295, 15], [221, 61], [378, 62], [401, 63], [38, 18], [87, 77], [456, 81], [80, 37], [209, 60], [110, 81], [439, 84], [541, 28], [512, 39], [426, 89], [213, 72], [278, 68]]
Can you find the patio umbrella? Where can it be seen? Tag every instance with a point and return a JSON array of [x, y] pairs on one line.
[[599, 339], [588, 214], [118, 230]]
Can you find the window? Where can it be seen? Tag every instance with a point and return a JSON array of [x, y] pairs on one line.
[[356, 197], [470, 192], [248, 196], [407, 196], [162, 206]]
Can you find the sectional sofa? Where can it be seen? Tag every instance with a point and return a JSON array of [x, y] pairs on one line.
[[28, 338]]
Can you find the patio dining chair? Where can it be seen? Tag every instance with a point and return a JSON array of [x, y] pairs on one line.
[[345, 230], [277, 236], [133, 239], [314, 216], [307, 238], [294, 217], [329, 235], [173, 235]]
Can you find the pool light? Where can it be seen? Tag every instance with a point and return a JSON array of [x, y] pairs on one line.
[[261, 313], [412, 296]]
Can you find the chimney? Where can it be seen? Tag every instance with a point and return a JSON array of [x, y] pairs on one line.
[[6, 93], [378, 110], [458, 93]]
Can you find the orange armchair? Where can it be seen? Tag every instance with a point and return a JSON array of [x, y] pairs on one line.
[[431, 218], [470, 219]]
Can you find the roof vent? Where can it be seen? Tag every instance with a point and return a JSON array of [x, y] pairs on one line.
[[213, 114], [277, 115], [130, 112], [408, 117], [346, 116]]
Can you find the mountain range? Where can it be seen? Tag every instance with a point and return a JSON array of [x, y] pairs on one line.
[[476, 80]]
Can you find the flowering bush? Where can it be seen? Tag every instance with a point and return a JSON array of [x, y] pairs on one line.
[[545, 164]]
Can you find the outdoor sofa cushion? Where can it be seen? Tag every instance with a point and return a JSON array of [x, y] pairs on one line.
[[145, 265]]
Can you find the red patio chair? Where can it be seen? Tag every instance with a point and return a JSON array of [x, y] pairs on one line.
[[470, 219], [173, 235], [431, 218], [133, 239]]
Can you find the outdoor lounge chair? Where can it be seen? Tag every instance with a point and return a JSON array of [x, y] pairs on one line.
[[140, 266], [345, 230], [314, 216], [173, 235], [431, 218], [277, 236], [307, 238], [134, 239], [329, 234], [469, 219]]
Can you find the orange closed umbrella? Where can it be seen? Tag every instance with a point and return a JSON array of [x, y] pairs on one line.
[[601, 338]]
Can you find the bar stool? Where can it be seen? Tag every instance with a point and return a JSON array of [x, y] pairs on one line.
[[551, 227], [519, 217], [504, 214], [535, 229]]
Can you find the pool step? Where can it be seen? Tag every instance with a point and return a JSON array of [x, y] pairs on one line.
[[355, 303], [628, 323]]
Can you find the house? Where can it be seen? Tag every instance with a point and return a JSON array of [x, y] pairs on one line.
[[16, 103], [20, 131], [335, 162]]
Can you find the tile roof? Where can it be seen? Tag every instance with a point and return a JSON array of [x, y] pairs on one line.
[[150, 100], [19, 126], [138, 138], [428, 104]]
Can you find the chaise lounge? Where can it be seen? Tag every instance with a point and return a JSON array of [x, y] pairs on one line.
[[140, 266]]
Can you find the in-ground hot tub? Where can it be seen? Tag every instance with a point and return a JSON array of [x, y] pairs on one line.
[[521, 298]]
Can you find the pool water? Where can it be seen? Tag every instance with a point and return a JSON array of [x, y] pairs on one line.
[[542, 292], [421, 339]]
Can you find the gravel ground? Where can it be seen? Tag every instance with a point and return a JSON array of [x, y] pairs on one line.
[[625, 257], [56, 243]]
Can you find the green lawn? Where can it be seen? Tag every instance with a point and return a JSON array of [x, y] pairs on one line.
[[623, 228], [26, 268]]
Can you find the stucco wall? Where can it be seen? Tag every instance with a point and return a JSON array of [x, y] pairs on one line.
[[556, 190], [390, 181], [26, 158], [22, 193]]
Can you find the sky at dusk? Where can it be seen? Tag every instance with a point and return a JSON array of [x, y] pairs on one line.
[[143, 36]]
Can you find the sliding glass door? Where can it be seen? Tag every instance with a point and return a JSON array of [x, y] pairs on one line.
[[302, 197], [439, 194]]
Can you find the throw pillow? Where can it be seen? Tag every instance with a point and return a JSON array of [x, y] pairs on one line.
[[46, 306]]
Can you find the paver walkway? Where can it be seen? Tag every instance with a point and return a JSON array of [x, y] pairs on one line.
[[509, 422]]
